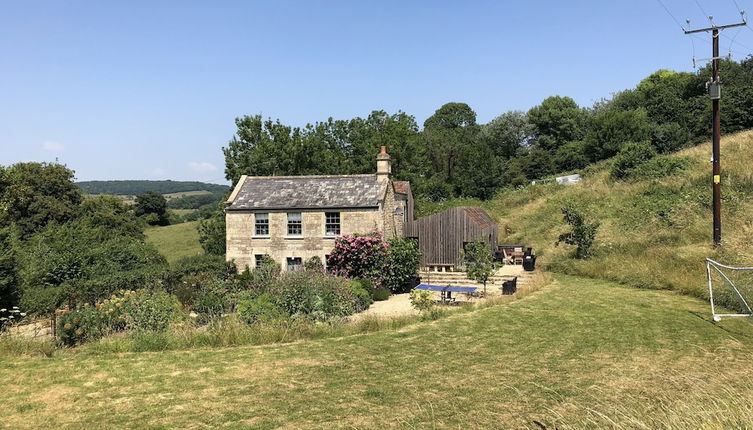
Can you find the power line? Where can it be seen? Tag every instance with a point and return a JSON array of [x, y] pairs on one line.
[[702, 11], [671, 16]]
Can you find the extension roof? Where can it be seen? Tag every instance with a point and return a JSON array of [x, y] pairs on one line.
[[305, 192]]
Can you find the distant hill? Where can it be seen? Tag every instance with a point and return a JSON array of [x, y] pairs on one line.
[[134, 187]]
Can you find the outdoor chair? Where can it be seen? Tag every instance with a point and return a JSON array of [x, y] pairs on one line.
[[510, 287]]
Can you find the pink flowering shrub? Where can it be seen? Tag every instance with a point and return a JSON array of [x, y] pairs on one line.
[[359, 257], [389, 265]]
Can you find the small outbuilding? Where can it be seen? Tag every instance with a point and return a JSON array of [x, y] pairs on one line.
[[441, 236]]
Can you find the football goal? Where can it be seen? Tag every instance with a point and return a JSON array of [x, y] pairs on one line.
[[729, 287]]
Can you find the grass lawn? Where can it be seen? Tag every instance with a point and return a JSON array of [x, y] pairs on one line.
[[576, 354], [175, 241]]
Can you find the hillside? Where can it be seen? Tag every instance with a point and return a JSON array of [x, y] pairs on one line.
[[655, 232], [175, 241], [134, 187], [577, 354]]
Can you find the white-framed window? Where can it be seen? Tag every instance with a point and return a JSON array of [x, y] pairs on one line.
[[294, 264], [261, 224], [295, 224], [258, 260], [331, 223]]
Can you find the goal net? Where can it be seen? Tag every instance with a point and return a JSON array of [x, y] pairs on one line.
[[730, 290]]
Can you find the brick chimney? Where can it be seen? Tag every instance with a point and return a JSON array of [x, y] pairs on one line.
[[383, 165]]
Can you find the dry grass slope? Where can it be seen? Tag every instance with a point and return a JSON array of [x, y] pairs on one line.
[[654, 233]]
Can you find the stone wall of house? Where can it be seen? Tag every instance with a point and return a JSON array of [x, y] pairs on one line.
[[393, 224], [242, 246]]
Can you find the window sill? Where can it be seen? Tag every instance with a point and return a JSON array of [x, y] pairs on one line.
[[331, 236], [294, 237], [261, 237]]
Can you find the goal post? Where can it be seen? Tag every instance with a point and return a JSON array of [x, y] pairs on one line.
[[730, 297]]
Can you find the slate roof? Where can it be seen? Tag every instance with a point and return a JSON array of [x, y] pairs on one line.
[[305, 192]]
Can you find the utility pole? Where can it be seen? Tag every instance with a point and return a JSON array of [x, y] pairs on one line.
[[714, 87]]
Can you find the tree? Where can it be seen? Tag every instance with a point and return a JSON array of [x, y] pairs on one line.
[[403, 262], [478, 262], [74, 263], [111, 213], [558, 120], [615, 128], [482, 172], [212, 234], [448, 133], [581, 234], [8, 275], [570, 156], [153, 207], [34, 194], [508, 133]]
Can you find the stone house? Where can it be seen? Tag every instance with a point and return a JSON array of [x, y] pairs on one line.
[[294, 218]]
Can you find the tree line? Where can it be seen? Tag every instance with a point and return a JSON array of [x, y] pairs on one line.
[[453, 155], [135, 187]]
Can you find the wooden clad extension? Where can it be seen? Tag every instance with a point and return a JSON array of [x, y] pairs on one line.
[[441, 236]]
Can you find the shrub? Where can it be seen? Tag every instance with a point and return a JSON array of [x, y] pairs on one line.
[[76, 263], [661, 166], [631, 156], [261, 308], [313, 295], [359, 256], [422, 301], [212, 234], [477, 257], [149, 310], [141, 310], [403, 262], [669, 137], [361, 294], [582, 232], [205, 263], [436, 190], [314, 264], [211, 300]]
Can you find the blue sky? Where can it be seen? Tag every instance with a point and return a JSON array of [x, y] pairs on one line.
[[149, 90]]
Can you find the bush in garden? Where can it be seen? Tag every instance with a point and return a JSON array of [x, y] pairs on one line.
[[314, 264], [359, 256], [149, 310], [314, 295], [422, 301], [190, 287], [128, 310], [262, 308], [360, 293], [205, 263], [211, 300], [388, 264], [403, 262]]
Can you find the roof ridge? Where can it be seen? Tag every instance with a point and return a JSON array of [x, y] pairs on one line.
[[314, 176]]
